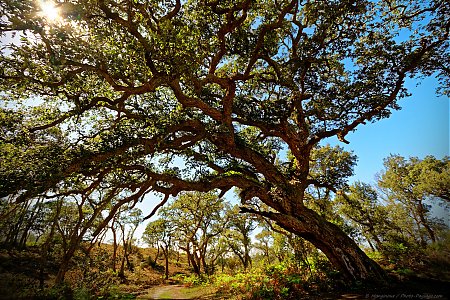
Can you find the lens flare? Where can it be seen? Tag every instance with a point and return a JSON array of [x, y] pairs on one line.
[[49, 11]]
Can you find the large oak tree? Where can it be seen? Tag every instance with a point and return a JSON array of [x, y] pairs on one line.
[[133, 96]]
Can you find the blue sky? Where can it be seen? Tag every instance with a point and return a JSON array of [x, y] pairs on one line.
[[420, 128]]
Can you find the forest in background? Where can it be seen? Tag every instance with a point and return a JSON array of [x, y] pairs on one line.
[[200, 239], [104, 102]]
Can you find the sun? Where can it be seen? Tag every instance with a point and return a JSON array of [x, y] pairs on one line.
[[49, 11]]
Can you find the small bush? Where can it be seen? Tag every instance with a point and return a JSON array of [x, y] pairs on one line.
[[82, 294], [192, 280], [58, 292]]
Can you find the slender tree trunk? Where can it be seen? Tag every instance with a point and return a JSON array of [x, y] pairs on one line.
[[127, 257], [370, 244], [378, 243], [44, 253], [114, 257], [166, 257], [23, 240], [157, 255], [130, 265], [241, 258], [266, 252], [188, 253], [124, 246], [419, 228], [69, 251], [29, 224], [13, 235], [304, 255], [192, 258], [421, 213]]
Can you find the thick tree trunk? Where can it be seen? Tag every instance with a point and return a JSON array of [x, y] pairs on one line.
[[68, 254], [341, 250], [192, 261], [61, 272], [204, 264], [195, 261], [248, 262], [121, 273], [64, 266], [247, 259]]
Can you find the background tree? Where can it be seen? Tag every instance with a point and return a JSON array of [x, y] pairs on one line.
[[363, 208], [264, 240], [128, 221], [198, 219], [276, 245], [219, 88], [415, 183], [218, 252], [240, 228], [77, 222], [18, 221], [433, 177], [333, 166], [394, 215], [160, 233]]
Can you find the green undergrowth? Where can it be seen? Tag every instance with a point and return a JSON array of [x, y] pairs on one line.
[[279, 281], [64, 292]]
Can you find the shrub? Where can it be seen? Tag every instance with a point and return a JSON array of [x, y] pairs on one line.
[[192, 280]]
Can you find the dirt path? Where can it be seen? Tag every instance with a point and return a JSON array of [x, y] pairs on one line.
[[177, 292]]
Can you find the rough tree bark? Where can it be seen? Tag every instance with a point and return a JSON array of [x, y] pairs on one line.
[[352, 263]]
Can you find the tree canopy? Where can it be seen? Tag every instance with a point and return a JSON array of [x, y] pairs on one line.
[[124, 98]]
